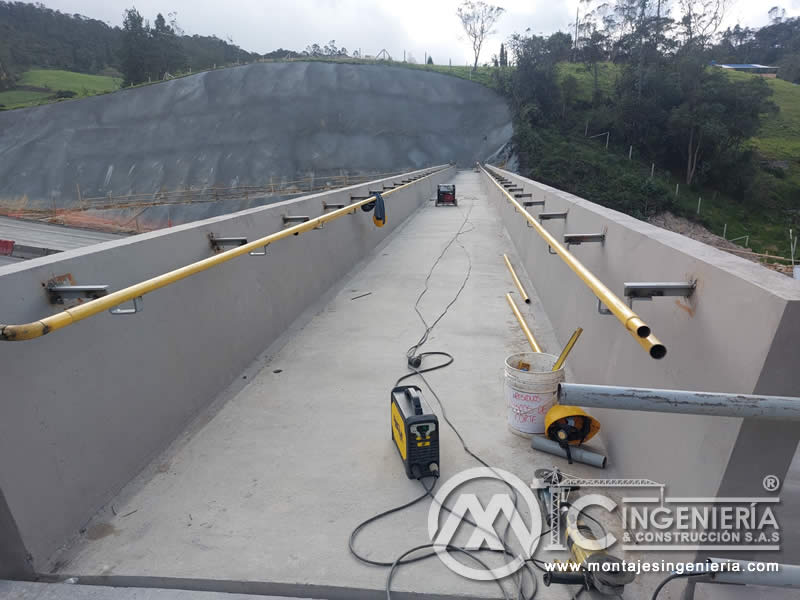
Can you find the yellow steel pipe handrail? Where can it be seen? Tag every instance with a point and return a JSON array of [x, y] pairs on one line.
[[517, 282], [72, 315], [632, 322], [523, 325]]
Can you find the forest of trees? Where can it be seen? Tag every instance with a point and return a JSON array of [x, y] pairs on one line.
[[32, 35], [666, 101]]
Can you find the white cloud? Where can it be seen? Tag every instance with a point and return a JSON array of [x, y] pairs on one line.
[[417, 26]]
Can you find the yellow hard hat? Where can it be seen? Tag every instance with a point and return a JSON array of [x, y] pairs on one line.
[[569, 425]]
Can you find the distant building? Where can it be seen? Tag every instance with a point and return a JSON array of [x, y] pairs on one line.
[[762, 70]]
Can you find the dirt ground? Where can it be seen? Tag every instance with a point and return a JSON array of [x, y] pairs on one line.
[[697, 232]]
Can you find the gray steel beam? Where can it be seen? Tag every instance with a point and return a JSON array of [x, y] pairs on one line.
[[681, 402]]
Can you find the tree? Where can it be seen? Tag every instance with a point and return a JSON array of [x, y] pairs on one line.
[[166, 52], [478, 19], [701, 20], [503, 56], [430, 60], [569, 91], [134, 53], [331, 49], [716, 114]]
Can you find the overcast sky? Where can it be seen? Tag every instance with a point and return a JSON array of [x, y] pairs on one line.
[[416, 26]]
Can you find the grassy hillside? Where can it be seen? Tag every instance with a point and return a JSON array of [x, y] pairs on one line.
[[39, 86], [585, 168], [67, 80]]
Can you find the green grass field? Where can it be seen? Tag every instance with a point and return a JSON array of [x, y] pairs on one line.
[[82, 84], [17, 98], [79, 83]]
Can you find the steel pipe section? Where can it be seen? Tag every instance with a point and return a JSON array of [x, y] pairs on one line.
[[748, 573], [680, 402], [635, 325]]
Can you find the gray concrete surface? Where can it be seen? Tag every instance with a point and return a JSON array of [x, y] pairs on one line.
[[19, 590], [90, 405], [737, 333], [268, 489], [9, 260], [48, 238], [239, 126]]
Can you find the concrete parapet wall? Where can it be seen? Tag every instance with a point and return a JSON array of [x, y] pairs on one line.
[[84, 409], [737, 333]]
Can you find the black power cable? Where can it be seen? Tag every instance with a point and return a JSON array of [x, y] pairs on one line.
[[661, 585], [414, 359]]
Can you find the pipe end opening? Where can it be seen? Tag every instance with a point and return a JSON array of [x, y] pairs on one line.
[[643, 331], [658, 351]]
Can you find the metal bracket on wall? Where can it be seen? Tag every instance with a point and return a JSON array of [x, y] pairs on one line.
[[222, 243], [137, 308], [326, 206], [576, 239], [650, 290], [528, 195], [59, 293], [533, 203], [516, 189], [553, 215], [602, 309], [294, 219]]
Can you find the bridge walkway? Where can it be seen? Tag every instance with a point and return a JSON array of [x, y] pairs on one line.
[[265, 488]]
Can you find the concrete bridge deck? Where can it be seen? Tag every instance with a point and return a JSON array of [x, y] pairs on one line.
[[269, 488], [260, 493]]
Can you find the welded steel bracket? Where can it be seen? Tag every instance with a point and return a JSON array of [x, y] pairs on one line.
[[553, 215], [650, 290], [576, 239], [326, 206], [220, 244], [223, 243], [295, 219], [59, 293], [601, 308], [533, 203], [137, 308], [528, 195]]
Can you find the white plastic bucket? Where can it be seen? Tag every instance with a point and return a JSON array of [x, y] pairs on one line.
[[530, 393]]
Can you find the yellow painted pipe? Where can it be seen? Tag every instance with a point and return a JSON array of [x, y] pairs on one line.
[[28, 331], [517, 282], [525, 329], [635, 326], [567, 349]]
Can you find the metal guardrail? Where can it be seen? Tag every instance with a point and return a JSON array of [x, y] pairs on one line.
[[28, 331], [632, 322]]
